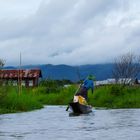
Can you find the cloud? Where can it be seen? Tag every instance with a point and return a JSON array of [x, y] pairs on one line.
[[69, 32]]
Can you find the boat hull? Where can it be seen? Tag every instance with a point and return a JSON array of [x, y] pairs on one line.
[[78, 108]]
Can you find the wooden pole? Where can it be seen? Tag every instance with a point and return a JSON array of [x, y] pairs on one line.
[[20, 77]]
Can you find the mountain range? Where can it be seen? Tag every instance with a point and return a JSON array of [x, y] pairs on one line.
[[73, 73]]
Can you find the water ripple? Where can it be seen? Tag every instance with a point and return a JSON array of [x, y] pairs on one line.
[[54, 123]]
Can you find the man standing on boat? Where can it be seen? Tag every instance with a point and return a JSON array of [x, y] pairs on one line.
[[81, 95], [87, 84]]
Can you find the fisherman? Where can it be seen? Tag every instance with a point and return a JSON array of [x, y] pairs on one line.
[[87, 84]]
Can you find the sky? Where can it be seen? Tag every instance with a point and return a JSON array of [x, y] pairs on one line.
[[72, 32]]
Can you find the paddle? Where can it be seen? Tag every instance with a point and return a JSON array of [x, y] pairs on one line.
[[67, 108], [72, 99]]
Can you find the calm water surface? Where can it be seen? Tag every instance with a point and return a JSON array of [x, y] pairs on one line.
[[54, 123]]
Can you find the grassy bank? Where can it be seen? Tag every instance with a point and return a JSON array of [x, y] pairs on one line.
[[114, 96], [30, 99], [11, 101]]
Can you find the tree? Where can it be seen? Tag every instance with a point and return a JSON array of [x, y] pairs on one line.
[[2, 63], [126, 68]]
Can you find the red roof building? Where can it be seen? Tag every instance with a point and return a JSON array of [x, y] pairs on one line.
[[27, 78]]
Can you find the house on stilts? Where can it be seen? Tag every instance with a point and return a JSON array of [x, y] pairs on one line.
[[26, 77]]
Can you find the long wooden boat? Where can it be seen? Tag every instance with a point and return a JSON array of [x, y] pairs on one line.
[[78, 108]]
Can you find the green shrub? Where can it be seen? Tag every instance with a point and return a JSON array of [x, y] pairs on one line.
[[116, 90], [111, 96], [3, 93], [13, 102], [116, 96], [51, 86]]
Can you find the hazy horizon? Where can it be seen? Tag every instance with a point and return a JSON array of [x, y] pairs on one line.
[[54, 64]]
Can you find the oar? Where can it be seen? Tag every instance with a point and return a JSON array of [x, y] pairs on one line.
[[72, 99], [67, 108]]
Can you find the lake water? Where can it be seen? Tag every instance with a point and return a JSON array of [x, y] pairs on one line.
[[54, 123]]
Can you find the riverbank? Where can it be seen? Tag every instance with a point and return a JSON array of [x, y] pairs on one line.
[[111, 96], [33, 98], [116, 96]]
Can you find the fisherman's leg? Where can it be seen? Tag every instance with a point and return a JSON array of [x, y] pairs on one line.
[[82, 92], [85, 94]]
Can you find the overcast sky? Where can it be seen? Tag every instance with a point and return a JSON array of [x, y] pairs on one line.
[[72, 32]]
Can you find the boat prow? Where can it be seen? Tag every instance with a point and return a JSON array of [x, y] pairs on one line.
[[78, 108]]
